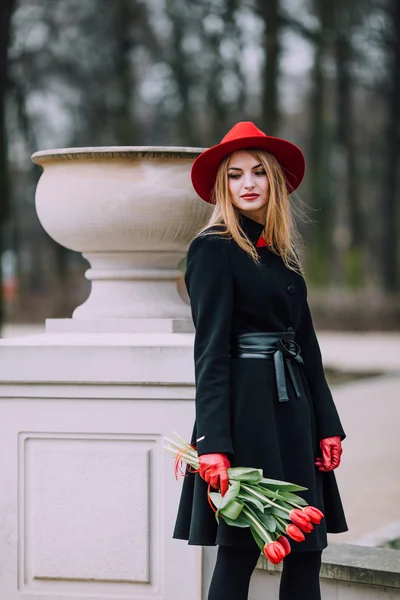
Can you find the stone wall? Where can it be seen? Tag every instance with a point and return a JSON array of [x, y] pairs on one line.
[[348, 572]]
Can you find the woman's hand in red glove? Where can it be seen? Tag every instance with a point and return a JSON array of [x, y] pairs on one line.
[[213, 469], [331, 452]]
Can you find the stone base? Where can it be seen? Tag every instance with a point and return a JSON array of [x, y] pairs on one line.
[[120, 326], [88, 496], [160, 359]]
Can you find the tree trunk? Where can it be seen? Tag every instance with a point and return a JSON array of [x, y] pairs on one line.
[[389, 241], [125, 127], [344, 204], [6, 10], [241, 108], [270, 117], [178, 63], [320, 142]]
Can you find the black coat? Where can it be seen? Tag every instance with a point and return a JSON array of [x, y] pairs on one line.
[[237, 407]]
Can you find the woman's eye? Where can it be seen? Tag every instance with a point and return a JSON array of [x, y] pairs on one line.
[[237, 175]]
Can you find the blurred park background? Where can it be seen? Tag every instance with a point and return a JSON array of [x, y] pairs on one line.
[[324, 74]]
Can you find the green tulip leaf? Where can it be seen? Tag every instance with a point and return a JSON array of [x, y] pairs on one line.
[[284, 504], [280, 513], [268, 521], [246, 474], [282, 485], [249, 498], [216, 499], [293, 498], [268, 493], [240, 521], [280, 528], [233, 509], [233, 491], [259, 541]]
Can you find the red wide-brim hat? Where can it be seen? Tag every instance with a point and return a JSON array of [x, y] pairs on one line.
[[245, 135]]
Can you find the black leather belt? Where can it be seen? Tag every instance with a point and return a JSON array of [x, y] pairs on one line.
[[279, 346]]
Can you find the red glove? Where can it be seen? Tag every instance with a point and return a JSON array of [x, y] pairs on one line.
[[331, 452], [213, 469]]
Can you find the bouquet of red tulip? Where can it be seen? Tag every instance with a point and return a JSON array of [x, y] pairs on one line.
[[269, 507]]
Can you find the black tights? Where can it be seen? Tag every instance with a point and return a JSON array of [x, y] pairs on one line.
[[234, 567]]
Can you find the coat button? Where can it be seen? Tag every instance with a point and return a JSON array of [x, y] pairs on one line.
[[291, 289], [289, 329]]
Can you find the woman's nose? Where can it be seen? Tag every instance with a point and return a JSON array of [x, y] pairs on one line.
[[248, 181]]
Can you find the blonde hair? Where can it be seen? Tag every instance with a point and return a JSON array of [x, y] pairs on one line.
[[280, 228]]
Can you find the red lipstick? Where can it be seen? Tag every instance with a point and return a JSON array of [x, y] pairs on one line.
[[250, 196]]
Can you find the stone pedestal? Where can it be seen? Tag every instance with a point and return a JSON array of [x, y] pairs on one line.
[[88, 497]]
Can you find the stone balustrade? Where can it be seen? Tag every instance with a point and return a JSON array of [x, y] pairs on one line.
[[348, 572]]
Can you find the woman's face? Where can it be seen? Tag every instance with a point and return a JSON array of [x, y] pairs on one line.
[[248, 185]]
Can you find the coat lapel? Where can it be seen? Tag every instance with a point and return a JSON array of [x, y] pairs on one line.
[[252, 228]]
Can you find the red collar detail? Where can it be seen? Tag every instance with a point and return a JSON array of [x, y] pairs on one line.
[[261, 242]]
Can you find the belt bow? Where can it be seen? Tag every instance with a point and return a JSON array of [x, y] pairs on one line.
[[286, 354]]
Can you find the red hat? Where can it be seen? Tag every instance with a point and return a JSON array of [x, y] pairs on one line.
[[246, 135]]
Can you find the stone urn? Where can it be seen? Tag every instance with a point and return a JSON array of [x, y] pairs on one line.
[[88, 496], [131, 212]]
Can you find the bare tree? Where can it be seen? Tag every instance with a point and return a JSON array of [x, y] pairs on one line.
[[181, 68], [390, 247], [347, 218], [319, 140], [6, 10], [269, 12]]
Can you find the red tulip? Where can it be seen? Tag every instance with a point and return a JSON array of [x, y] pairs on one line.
[[314, 514], [299, 518], [283, 541], [275, 552], [307, 528], [295, 533]]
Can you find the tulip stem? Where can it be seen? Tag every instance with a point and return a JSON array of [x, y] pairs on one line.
[[186, 457], [261, 496], [296, 505], [187, 450], [281, 521], [258, 525]]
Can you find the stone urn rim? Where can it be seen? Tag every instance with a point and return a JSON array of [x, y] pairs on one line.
[[132, 212], [106, 152]]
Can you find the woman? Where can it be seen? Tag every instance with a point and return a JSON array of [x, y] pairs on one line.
[[262, 399]]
